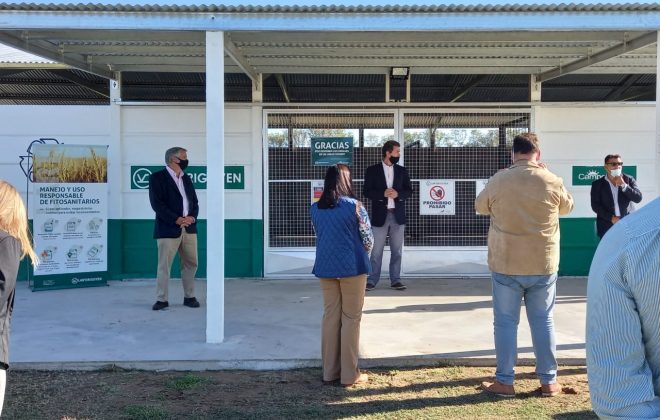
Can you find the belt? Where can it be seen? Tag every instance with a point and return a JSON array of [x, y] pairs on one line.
[[391, 210]]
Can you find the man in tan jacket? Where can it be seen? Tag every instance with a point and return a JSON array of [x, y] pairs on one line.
[[524, 202]]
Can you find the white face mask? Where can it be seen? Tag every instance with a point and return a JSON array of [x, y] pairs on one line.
[[616, 172]]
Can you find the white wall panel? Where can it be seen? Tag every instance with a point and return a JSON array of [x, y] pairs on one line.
[[148, 131], [583, 134], [69, 124]]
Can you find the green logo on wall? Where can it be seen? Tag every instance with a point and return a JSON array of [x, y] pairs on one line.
[[234, 176], [585, 175]]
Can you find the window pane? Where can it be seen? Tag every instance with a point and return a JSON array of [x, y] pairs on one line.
[[512, 132], [466, 137], [278, 137], [417, 137], [376, 137]]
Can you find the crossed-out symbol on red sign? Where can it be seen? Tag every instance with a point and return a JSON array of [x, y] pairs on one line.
[[437, 193]]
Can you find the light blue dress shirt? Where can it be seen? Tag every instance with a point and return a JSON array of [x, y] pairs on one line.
[[623, 319]]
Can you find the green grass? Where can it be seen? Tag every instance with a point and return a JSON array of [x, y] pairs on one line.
[[187, 382], [140, 412], [404, 393]]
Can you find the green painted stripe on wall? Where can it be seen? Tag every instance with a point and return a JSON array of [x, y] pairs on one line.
[[139, 257], [577, 245], [132, 249]]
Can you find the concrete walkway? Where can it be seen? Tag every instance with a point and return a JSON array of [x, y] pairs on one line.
[[271, 324]]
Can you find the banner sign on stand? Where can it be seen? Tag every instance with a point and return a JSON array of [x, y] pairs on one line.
[[437, 197], [70, 202], [328, 151]]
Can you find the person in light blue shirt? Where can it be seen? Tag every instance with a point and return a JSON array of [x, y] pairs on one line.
[[623, 319]]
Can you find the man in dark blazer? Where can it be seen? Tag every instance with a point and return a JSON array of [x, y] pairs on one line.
[[388, 187], [173, 198], [613, 194]]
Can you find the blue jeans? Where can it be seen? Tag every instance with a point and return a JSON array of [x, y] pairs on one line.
[[539, 294]]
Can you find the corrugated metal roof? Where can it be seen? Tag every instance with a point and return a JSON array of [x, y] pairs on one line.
[[363, 6]]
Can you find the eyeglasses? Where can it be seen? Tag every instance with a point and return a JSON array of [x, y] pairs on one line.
[[615, 163]]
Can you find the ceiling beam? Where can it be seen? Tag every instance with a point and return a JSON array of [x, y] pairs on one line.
[[109, 35], [467, 88], [51, 54], [282, 84], [623, 48], [397, 36], [125, 49], [415, 50], [232, 50], [619, 90], [87, 84]]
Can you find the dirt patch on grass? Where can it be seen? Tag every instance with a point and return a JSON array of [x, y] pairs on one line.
[[444, 392]]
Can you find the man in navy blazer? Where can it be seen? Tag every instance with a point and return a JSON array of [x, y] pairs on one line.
[[173, 198], [388, 187], [613, 194]]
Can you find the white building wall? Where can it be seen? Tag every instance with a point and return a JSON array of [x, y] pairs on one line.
[[21, 124], [583, 134], [571, 135], [148, 131]]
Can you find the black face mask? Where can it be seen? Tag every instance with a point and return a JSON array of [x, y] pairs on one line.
[[394, 160], [183, 164]]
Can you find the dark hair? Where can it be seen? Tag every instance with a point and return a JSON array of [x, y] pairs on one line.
[[389, 146], [525, 143], [337, 183], [608, 157], [172, 151]]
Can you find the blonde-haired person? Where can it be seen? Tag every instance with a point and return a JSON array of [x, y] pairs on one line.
[[14, 245]]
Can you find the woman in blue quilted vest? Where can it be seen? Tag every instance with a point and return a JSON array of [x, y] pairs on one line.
[[343, 243]]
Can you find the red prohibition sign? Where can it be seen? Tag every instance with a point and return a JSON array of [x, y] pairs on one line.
[[437, 193]]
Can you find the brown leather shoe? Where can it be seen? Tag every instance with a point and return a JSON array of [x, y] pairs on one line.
[[550, 390], [499, 389], [362, 379]]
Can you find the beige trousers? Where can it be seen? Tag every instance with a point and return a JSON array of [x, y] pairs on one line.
[[340, 332], [186, 245]]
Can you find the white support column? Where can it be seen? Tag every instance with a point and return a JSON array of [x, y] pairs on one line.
[[657, 118], [115, 163], [534, 89], [215, 187], [258, 89], [408, 83], [387, 87]]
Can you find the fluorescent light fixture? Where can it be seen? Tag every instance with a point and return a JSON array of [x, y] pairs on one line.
[[399, 72]]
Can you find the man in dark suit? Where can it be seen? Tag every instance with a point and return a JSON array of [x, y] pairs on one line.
[[173, 198], [613, 194], [388, 187]]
